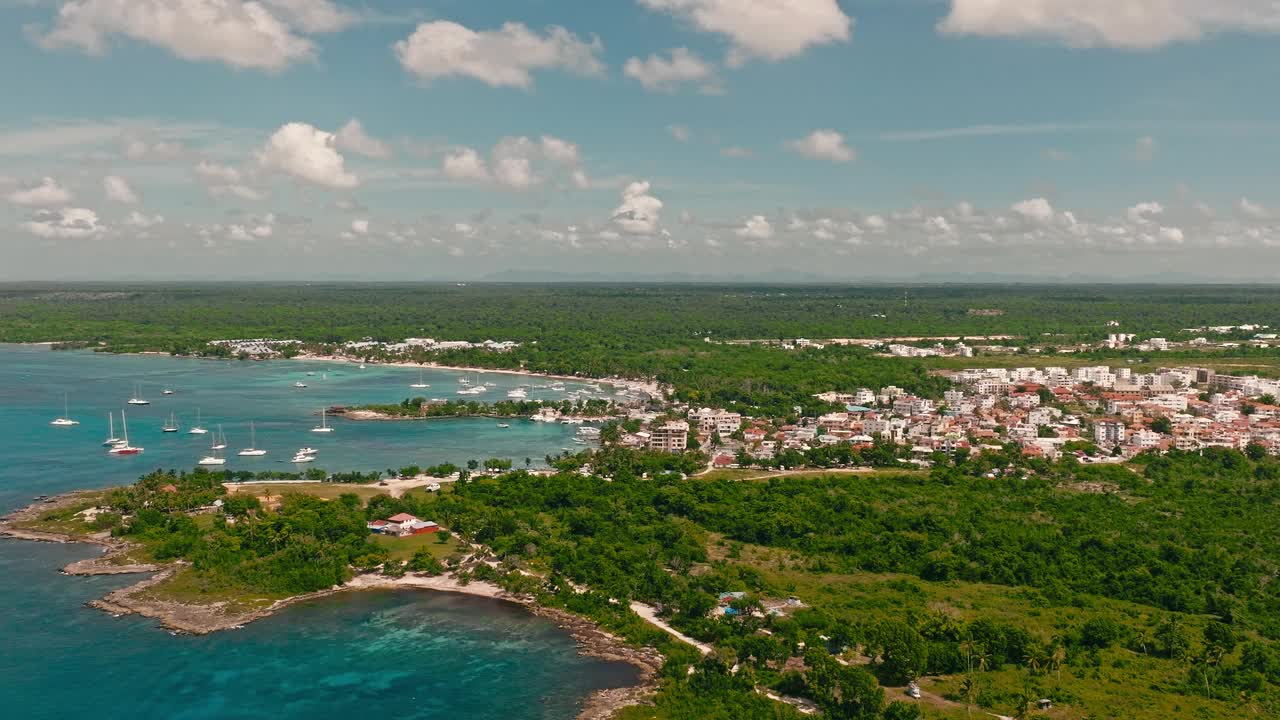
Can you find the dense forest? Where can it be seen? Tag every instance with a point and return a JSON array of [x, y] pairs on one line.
[[621, 317]]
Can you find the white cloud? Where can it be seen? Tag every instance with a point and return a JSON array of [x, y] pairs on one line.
[[68, 223], [242, 192], [823, 145], [153, 151], [119, 190], [313, 16], [465, 164], [1145, 149], [46, 194], [668, 74], [768, 29], [240, 33], [1172, 235], [1142, 212], [513, 163], [225, 181], [499, 58], [1037, 210], [256, 229], [1252, 210], [733, 151], [215, 173], [561, 152], [1126, 24], [307, 154], [353, 137], [360, 227], [639, 212], [139, 220], [519, 163], [756, 227], [680, 132]]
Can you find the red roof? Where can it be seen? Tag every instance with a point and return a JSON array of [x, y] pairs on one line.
[[722, 460], [401, 517], [379, 523]]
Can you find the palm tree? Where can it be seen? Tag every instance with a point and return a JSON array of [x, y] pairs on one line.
[[1142, 636], [1057, 657], [969, 688]]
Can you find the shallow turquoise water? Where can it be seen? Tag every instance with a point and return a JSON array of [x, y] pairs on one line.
[[411, 654]]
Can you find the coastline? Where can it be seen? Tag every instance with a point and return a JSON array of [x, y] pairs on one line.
[[195, 619], [651, 387], [363, 414]]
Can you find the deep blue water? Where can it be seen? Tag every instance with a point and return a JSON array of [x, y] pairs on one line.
[[411, 654]]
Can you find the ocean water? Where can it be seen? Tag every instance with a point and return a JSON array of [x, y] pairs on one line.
[[413, 654]]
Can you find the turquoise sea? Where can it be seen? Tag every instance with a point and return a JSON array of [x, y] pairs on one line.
[[411, 654]]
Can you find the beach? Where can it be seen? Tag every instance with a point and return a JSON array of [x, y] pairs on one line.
[[650, 387]]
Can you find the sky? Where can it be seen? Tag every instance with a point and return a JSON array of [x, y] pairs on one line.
[[831, 140]]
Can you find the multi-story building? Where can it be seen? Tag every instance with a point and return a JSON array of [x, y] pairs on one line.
[[1109, 433], [671, 436]]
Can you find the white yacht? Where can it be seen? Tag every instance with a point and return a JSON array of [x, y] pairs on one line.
[[166, 391], [170, 425], [252, 450], [220, 440], [65, 420], [518, 394], [324, 424], [197, 429], [123, 447], [111, 440], [421, 383], [302, 457], [137, 396], [300, 385]]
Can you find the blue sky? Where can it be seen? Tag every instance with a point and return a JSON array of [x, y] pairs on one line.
[[852, 139]]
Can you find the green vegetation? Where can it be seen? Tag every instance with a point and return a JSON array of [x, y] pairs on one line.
[[1110, 605]]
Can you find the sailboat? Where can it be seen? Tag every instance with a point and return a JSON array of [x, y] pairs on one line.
[[215, 458], [124, 448], [137, 396], [171, 425], [220, 440], [420, 384], [196, 429], [252, 451], [111, 440], [65, 420], [324, 425]]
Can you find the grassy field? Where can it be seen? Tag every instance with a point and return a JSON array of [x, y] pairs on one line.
[[327, 491], [189, 587], [403, 548], [64, 519]]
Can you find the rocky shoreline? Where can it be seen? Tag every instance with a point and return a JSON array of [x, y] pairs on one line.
[[194, 619]]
